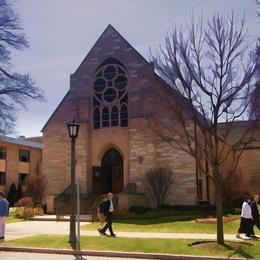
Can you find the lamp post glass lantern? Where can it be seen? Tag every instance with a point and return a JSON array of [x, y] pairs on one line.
[[73, 129]]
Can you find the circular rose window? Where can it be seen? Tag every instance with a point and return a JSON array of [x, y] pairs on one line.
[[110, 83]]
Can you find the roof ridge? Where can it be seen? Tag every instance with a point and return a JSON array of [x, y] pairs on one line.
[[20, 141]]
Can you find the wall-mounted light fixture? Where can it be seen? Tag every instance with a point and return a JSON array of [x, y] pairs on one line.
[[140, 158]]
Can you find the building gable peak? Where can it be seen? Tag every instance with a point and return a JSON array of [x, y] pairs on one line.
[[107, 41]]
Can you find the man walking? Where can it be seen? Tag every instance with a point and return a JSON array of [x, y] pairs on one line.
[[4, 206], [255, 212], [107, 208]]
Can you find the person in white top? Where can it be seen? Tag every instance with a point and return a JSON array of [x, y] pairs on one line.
[[246, 222]]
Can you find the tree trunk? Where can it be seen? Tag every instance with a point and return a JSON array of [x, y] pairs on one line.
[[219, 209]]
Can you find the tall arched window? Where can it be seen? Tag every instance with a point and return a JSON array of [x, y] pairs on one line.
[[114, 116], [105, 117], [124, 115], [110, 94], [96, 118]]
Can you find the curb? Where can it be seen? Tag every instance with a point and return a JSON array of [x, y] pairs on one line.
[[110, 253]]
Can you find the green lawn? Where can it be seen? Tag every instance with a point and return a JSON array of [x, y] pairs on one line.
[[13, 220], [167, 225], [147, 245]]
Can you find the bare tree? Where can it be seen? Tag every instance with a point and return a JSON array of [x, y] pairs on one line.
[[235, 188], [35, 187], [255, 106], [15, 88], [160, 182], [209, 68], [258, 6]]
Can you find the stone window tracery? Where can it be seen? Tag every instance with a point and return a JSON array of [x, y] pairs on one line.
[[110, 99]]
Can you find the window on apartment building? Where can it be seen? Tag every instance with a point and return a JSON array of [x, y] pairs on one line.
[[22, 178], [2, 153], [2, 178], [24, 155]]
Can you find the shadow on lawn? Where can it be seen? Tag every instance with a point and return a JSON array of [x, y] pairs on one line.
[[235, 248], [161, 220], [239, 250]]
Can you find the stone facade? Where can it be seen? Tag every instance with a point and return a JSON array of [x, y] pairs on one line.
[[249, 162], [139, 147]]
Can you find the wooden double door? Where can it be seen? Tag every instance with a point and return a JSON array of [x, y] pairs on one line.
[[109, 176]]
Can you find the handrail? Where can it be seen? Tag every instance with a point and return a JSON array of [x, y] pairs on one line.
[[65, 192]]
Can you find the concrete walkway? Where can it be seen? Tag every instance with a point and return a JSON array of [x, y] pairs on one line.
[[30, 228]]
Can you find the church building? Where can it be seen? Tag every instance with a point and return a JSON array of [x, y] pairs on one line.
[[112, 93]]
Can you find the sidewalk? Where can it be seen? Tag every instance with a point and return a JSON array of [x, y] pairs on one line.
[[30, 228]]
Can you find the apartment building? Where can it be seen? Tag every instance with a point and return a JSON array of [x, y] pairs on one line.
[[19, 157]]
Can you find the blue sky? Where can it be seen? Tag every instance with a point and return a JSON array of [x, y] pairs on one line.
[[61, 32]]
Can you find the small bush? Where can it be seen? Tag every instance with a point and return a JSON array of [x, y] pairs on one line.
[[19, 193], [159, 180], [25, 213], [12, 211], [35, 187], [11, 195], [24, 202], [19, 212], [165, 206], [38, 212], [139, 210], [193, 207], [28, 213]]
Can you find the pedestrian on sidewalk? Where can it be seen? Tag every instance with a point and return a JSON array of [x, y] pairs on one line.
[[107, 208], [255, 212], [4, 209], [246, 221]]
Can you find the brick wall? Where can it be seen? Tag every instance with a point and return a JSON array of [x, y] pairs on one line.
[[12, 163]]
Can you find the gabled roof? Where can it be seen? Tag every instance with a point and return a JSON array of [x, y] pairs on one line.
[[20, 141], [109, 28], [57, 108]]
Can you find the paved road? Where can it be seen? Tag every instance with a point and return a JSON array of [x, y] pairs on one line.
[[30, 228], [33, 256]]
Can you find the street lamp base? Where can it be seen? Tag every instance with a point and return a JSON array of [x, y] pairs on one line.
[[79, 257], [73, 243]]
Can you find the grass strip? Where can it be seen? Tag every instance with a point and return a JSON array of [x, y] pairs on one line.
[[13, 220], [146, 245]]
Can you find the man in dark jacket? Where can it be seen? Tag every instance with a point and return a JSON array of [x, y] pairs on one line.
[[255, 212], [4, 208], [106, 207]]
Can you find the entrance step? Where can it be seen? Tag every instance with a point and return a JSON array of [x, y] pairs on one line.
[[88, 203]]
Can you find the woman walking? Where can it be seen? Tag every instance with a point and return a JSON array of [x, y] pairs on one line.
[[246, 222]]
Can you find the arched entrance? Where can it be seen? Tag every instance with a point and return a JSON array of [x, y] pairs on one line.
[[109, 177]]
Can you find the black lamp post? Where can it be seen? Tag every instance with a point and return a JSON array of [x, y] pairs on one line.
[[73, 129]]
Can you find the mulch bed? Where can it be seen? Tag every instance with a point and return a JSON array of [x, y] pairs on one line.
[[214, 220]]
